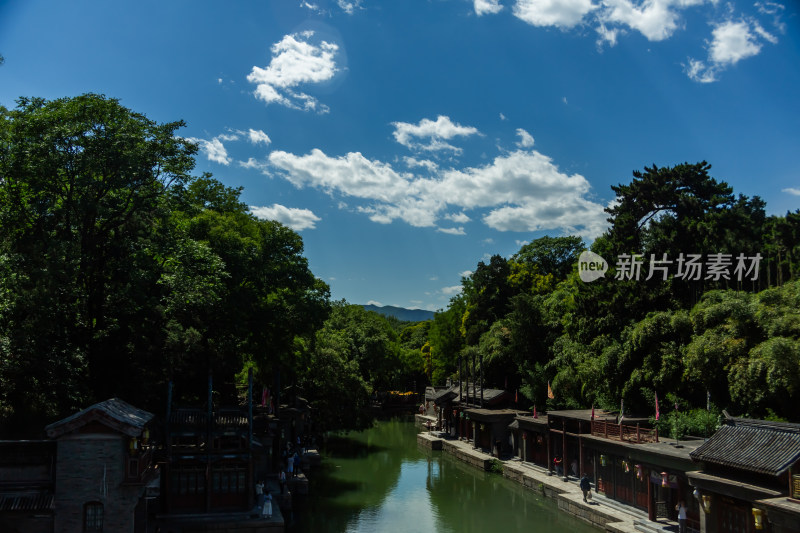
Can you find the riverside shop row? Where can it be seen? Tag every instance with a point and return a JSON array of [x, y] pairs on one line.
[[744, 478]]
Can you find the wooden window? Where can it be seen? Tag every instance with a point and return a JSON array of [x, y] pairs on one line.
[[93, 517]]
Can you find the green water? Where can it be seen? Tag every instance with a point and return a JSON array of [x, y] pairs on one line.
[[380, 481]]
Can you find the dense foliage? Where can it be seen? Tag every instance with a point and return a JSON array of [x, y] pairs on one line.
[[532, 319], [119, 270]]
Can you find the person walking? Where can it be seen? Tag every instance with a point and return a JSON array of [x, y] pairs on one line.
[[681, 508], [290, 467], [586, 487], [296, 465], [282, 479]]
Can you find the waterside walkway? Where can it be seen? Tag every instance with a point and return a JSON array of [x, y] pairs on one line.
[[604, 513]]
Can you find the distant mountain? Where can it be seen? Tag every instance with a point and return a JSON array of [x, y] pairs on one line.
[[401, 313]]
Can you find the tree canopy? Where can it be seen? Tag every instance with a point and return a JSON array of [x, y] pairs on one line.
[[120, 270]]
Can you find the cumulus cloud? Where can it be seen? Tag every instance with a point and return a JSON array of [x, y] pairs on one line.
[[253, 163], [606, 36], [525, 139], [297, 219], [350, 175], [452, 231], [431, 135], [452, 291], [563, 14], [258, 136], [412, 162], [458, 218], [487, 7], [731, 41], [655, 19], [296, 60], [518, 191], [792, 190], [213, 149]]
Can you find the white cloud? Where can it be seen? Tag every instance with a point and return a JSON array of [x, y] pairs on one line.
[[792, 190], [731, 41], [452, 231], [525, 139], [375, 303], [314, 8], [458, 218], [351, 175], [349, 7], [253, 163], [258, 136], [297, 219], [655, 19], [700, 72], [522, 190], [435, 133], [607, 36], [214, 149], [452, 291], [560, 13], [295, 61], [412, 162], [487, 7], [503, 117]]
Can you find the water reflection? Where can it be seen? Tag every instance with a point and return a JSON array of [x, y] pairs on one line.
[[380, 481]]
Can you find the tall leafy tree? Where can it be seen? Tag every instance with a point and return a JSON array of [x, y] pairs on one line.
[[81, 193]]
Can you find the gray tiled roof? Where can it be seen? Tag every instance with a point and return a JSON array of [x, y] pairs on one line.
[[756, 446], [113, 413]]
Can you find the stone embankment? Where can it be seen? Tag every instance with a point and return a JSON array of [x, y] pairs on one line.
[[601, 512]]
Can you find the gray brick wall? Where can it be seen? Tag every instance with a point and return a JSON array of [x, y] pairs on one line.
[[80, 466]]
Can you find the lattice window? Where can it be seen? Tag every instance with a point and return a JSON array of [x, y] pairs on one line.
[[93, 517]]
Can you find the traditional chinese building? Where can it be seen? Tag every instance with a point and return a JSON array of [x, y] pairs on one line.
[[209, 461], [104, 465], [530, 438], [750, 477]]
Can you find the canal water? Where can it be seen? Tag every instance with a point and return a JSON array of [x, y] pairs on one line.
[[380, 481]]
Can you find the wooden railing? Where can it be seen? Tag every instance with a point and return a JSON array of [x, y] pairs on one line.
[[623, 432]]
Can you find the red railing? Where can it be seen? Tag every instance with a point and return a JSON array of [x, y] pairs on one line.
[[623, 432]]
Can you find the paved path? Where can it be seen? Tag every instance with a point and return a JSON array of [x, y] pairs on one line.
[[602, 512]]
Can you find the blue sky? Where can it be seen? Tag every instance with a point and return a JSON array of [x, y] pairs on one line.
[[408, 140]]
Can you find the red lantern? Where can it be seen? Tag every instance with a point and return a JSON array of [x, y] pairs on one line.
[[524, 435], [664, 479]]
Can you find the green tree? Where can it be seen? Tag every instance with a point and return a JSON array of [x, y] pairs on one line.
[[81, 195]]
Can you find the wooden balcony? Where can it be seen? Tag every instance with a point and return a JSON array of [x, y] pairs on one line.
[[623, 432]]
